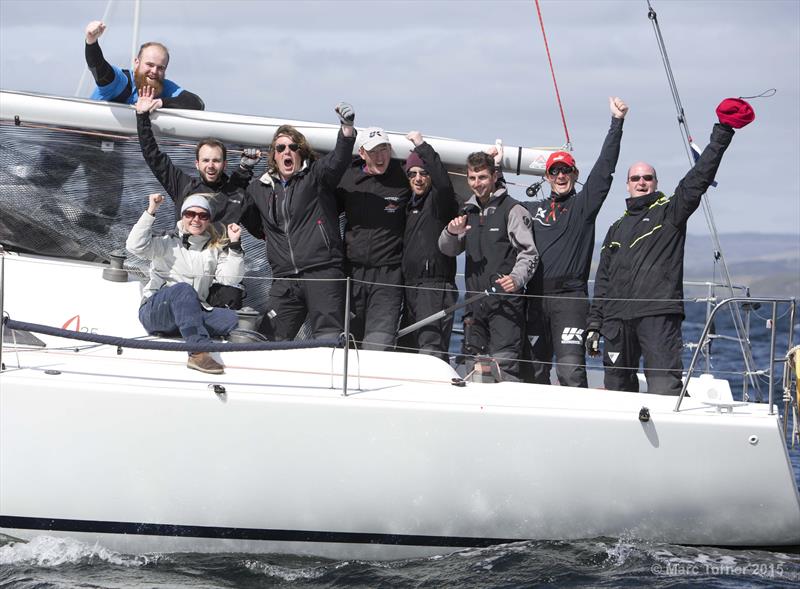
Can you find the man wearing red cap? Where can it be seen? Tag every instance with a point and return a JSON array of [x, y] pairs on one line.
[[429, 274], [563, 228], [638, 292]]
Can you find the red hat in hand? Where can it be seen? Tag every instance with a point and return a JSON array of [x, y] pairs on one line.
[[735, 112]]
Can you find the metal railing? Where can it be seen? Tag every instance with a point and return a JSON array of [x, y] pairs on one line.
[[705, 339]]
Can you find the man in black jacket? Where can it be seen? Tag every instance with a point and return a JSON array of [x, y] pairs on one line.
[[373, 194], [226, 192], [563, 229], [210, 161], [295, 207], [638, 293], [429, 274]]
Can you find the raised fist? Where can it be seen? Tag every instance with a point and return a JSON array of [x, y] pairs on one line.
[[346, 113], [94, 30]]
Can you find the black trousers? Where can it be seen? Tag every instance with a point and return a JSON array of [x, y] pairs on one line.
[[556, 325], [423, 300], [493, 326], [376, 301], [657, 339], [291, 300]]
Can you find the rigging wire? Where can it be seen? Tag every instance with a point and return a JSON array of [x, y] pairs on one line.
[[744, 342], [553, 74]]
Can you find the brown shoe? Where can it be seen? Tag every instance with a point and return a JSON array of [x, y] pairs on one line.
[[203, 362]]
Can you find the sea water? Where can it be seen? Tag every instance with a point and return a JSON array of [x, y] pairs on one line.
[[46, 561]]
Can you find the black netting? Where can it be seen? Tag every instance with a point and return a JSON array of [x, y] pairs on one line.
[[76, 194]]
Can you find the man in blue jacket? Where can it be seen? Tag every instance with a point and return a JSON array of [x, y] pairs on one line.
[[150, 67]]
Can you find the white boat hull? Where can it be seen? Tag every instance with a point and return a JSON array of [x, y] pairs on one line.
[[139, 453]]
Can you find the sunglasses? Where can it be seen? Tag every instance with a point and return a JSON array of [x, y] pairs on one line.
[[415, 173], [202, 215], [646, 178], [281, 147], [555, 171]]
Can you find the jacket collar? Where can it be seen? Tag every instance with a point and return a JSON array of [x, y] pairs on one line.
[[190, 241], [634, 204]]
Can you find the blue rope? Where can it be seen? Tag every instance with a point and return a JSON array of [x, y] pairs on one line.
[[210, 346]]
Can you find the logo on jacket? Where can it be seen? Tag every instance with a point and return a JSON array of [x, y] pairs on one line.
[[392, 204], [540, 216], [572, 336]]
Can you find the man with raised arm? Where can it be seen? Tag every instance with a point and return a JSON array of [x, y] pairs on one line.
[[150, 67], [294, 205], [496, 235], [225, 193], [638, 292], [373, 194], [210, 162], [563, 229], [429, 274]]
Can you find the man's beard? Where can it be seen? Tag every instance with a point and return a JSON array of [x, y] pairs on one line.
[[141, 80]]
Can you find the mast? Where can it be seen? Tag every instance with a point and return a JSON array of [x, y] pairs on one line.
[[85, 72], [741, 333]]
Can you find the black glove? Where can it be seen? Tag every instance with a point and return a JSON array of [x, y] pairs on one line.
[[250, 157], [592, 342], [346, 113]]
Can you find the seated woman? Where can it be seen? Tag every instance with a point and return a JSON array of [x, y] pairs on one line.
[[184, 264]]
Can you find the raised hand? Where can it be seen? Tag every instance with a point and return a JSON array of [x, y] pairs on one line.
[[94, 30], [618, 107], [347, 115], [147, 101], [155, 201], [415, 137], [496, 152], [234, 232], [250, 158]]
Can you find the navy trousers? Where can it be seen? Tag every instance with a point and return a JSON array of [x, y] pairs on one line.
[[177, 309]]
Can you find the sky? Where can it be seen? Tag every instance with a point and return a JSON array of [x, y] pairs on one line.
[[474, 71]]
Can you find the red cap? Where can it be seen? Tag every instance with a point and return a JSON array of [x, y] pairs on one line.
[[559, 157], [735, 112]]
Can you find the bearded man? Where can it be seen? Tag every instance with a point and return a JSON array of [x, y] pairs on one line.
[[150, 67]]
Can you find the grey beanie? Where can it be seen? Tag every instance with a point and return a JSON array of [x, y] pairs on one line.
[[197, 200]]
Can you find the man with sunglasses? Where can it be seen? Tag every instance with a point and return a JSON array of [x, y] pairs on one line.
[[638, 293], [563, 228], [429, 274], [373, 194], [294, 205]]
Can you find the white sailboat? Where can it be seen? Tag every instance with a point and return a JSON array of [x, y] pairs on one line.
[[130, 449], [324, 451]]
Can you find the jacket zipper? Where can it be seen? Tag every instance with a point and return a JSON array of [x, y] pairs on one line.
[[285, 206]]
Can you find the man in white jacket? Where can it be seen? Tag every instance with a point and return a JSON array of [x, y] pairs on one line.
[[184, 264]]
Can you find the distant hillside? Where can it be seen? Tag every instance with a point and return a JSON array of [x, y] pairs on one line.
[[768, 264]]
